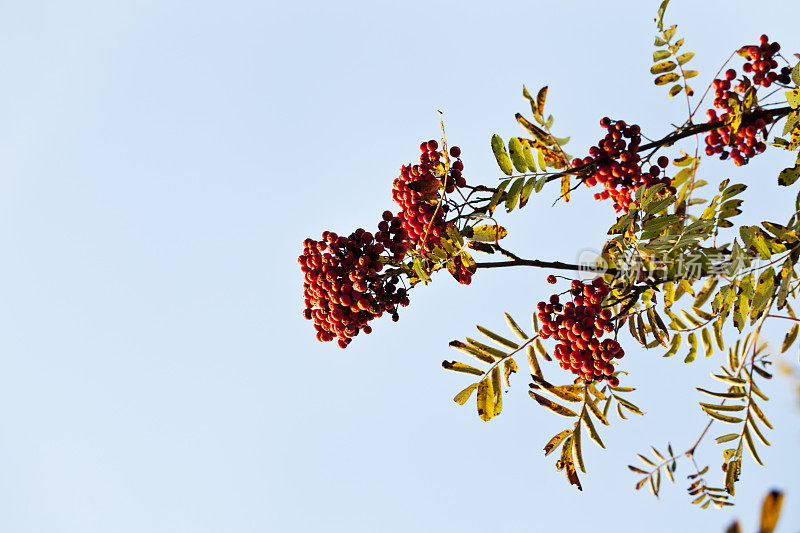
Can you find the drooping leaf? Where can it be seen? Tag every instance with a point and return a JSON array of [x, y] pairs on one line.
[[692, 339], [497, 389], [526, 192], [461, 367], [553, 443], [499, 339], [533, 363], [556, 408], [751, 447], [498, 194], [512, 197], [512, 324], [723, 418], [565, 393], [509, 367], [462, 397], [674, 345], [486, 399], [591, 430], [474, 351]]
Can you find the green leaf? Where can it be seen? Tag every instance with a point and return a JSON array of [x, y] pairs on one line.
[[763, 293], [477, 353], [675, 89], [628, 405], [664, 66], [527, 189], [517, 156], [499, 339], [789, 175], [674, 345], [707, 347], [692, 338], [751, 447], [723, 418], [513, 194], [533, 363], [500, 154], [741, 311], [556, 408], [461, 367], [666, 78], [731, 473], [660, 15], [796, 74], [730, 380], [760, 414], [565, 392], [518, 331], [669, 32], [660, 55], [685, 58], [718, 334], [727, 438], [752, 423], [591, 429], [732, 394], [527, 153], [690, 74], [494, 352], [596, 411], [576, 446], [705, 291], [498, 193], [462, 397], [722, 407]]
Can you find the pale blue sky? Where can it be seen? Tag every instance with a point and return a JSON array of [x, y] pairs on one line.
[[161, 163]]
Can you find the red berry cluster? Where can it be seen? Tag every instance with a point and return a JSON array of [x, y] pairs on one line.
[[744, 143], [343, 289], [416, 192], [578, 326], [763, 64], [618, 166]]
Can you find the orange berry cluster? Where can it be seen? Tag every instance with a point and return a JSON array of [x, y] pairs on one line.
[[744, 143], [416, 191], [578, 325], [343, 289], [618, 166]]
